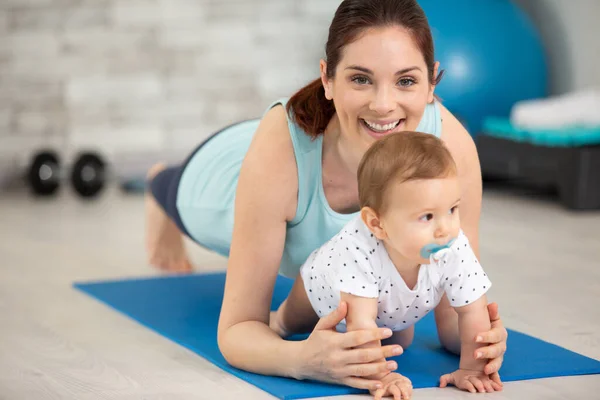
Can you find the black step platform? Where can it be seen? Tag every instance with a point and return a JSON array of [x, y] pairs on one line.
[[573, 171]]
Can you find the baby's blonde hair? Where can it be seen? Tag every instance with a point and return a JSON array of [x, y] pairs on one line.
[[397, 158]]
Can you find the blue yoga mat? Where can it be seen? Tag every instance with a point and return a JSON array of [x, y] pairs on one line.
[[185, 309]]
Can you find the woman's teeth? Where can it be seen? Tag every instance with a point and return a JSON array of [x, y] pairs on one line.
[[381, 128]]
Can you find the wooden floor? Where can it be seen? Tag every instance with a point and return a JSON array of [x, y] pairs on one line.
[[56, 343]]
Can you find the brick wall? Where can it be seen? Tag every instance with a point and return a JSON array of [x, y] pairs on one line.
[[148, 75]]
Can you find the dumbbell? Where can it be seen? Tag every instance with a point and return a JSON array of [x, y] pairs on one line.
[[44, 173], [88, 174]]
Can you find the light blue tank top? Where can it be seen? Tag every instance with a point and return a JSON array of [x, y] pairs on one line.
[[206, 193]]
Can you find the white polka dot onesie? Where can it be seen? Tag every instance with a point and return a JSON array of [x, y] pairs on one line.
[[356, 262]]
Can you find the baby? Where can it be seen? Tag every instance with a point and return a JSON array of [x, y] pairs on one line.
[[398, 258]]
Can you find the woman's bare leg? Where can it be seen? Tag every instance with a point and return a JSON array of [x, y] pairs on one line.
[[164, 241]]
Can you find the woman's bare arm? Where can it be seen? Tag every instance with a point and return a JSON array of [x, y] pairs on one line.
[[265, 200]]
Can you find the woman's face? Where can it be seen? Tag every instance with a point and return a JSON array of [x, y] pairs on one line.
[[380, 86]]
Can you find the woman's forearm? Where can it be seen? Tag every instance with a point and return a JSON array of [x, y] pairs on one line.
[[254, 347]]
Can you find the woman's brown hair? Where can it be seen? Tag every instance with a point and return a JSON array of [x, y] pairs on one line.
[[309, 107]]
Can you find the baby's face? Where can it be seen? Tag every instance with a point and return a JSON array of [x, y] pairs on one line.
[[420, 213]]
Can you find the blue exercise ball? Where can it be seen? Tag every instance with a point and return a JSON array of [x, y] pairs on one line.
[[492, 56]]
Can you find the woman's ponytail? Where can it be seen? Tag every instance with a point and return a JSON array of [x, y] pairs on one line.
[[310, 108]]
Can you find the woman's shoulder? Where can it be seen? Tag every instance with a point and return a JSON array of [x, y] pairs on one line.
[[455, 136], [452, 128], [278, 122], [270, 160], [274, 121]]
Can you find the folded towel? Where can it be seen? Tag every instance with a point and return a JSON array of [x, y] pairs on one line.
[[581, 108], [574, 136]]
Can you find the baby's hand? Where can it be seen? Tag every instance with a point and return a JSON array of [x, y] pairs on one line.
[[471, 381], [395, 385]]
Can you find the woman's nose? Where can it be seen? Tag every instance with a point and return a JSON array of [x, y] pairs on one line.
[[383, 101]]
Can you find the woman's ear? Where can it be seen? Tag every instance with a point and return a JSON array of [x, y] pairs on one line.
[[436, 68], [372, 221], [327, 84]]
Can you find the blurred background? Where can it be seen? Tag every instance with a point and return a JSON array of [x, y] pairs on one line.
[[136, 81], [148, 78]]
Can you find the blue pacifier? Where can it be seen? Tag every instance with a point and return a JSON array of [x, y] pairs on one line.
[[433, 248]]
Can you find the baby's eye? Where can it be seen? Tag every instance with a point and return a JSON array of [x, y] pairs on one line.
[[453, 209], [426, 217]]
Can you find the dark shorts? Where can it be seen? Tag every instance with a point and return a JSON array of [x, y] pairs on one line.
[[165, 184], [164, 189]]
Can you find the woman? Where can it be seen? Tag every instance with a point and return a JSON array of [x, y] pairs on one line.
[[290, 181]]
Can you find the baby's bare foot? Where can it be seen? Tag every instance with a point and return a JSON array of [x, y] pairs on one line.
[[164, 242]]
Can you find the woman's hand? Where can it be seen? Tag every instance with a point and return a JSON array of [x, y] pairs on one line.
[[330, 356], [496, 337]]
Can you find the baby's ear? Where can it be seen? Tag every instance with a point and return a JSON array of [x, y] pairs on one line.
[[372, 221]]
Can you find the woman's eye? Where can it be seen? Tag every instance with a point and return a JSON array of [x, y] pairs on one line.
[[406, 82], [426, 217], [361, 80]]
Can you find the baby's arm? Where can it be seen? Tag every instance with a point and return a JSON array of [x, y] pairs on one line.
[[446, 321], [362, 312], [472, 319]]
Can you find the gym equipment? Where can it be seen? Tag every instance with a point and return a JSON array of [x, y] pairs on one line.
[[571, 136], [566, 160], [492, 56], [186, 310], [44, 173], [88, 174]]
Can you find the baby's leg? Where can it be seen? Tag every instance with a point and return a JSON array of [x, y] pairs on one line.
[[295, 314], [404, 338]]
